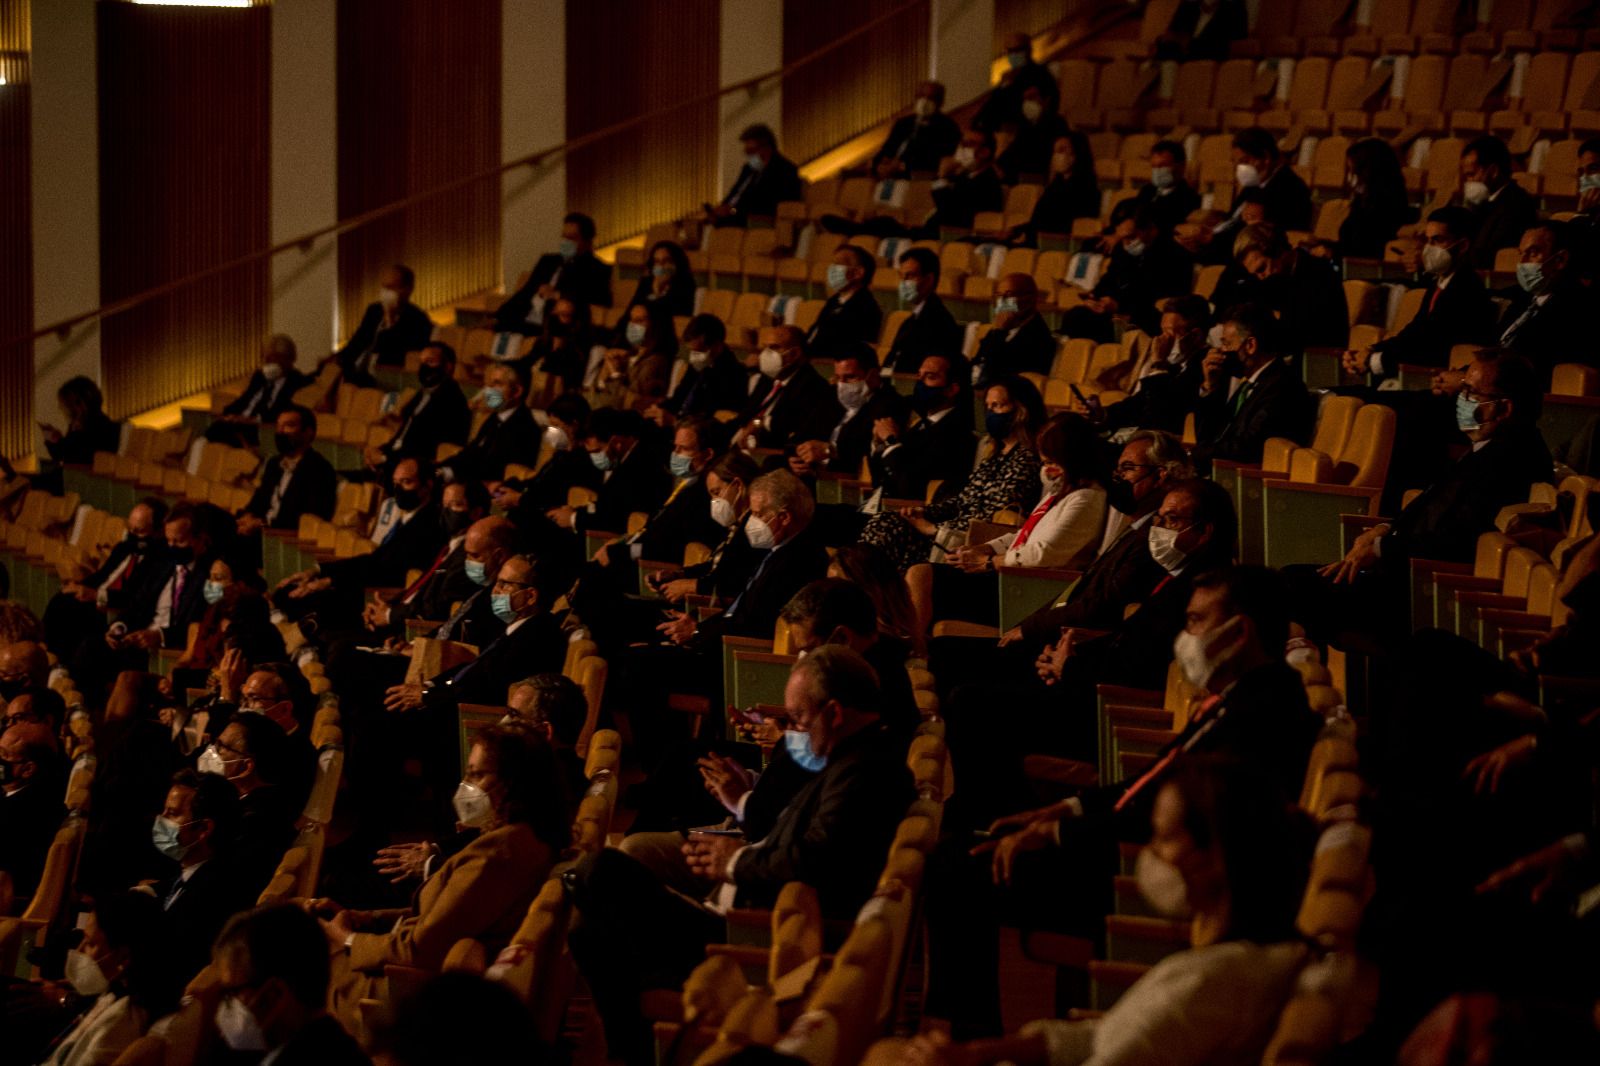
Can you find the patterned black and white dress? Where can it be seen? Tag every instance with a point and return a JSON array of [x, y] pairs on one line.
[[1006, 479]]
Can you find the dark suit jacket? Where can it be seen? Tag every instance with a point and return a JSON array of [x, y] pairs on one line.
[[931, 331], [848, 810], [1228, 24], [679, 295], [582, 278], [410, 333], [29, 819], [514, 439], [965, 196], [1558, 331], [265, 831], [784, 571], [684, 518], [638, 483], [843, 323], [133, 579], [722, 386], [941, 450], [1124, 574], [1287, 198], [806, 409], [264, 399], [186, 609], [1309, 299], [1159, 401], [1370, 226], [1005, 102], [1065, 199], [777, 786], [77, 446], [1029, 152], [1181, 200], [446, 419], [920, 143], [728, 570], [855, 436], [311, 490], [537, 647], [448, 585], [1276, 407], [412, 546], [1139, 284], [1462, 315], [759, 192], [1263, 720], [1445, 520], [323, 1042], [567, 469], [1033, 349], [1501, 221], [189, 926]]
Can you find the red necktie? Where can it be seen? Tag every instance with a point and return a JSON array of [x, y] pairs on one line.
[[1434, 299], [1038, 513], [416, 586], [1207, 705]]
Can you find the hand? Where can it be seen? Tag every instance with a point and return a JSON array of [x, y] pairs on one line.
[[375, 615], [372, 457], [294, 579], [949, 168], [1530, 659], [708, 856], [798, 467], [232, 670], [1546, 868], [507, 498], [726, 779], [397, 646], [885, 429], [310, 587], [248, 525], [1053, 659], [403, 862], [1487, 770], [52, 435], [888, 168], [654, 413], [1010, 636], [675, 591], [1363, 553], [973, 559], [407, 697], [1356, 362], [813, 451], [1447, 382], [562, 516], [337, 930], [1215, 369], [144, 639], [678, 629], [1031, 837], [932, 1048]]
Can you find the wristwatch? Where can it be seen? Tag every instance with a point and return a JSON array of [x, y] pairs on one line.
[[348, 940]]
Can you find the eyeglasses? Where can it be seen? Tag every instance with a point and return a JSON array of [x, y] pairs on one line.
[[1479, 397], [1176, 522], [18, 718], [1134, 468]]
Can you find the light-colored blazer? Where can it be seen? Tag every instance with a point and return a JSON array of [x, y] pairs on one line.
[[1066, 537], [101, 1034]]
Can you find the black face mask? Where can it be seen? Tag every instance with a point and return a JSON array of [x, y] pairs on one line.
[[925, 398], [430, 376], [408, 499], [1119, 494], [142, 545], [284, 442], [556, 328], [11, 688], [454, 521]]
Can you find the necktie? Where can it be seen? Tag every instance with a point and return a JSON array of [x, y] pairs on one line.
[[447, 631], [416, 586], [1038, 513], [180, 578], [1522, 320], [173, 893], [733, 608], [1240, 396], [1434, 299], [387, 537], [284, 473]]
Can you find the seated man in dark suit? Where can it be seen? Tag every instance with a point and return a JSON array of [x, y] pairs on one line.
[[572, 272], [1160, 385], [1501, 209], [73, 615], [1020, 341], [1455, 308], [1550, 320], [1248, 393], [278, 956], [918, 141], [865, 399], [252, 752], [1304, 289], [714, 381], [968, 183], [931, 329], [195, 831], [620, 446], [1004, 104], [30, 802], [1168, 195], [436, 414], [790, 402], [939, 446], [1260, 167], [452, 587], [270, 389], [1146, 267], [296, 481], [1230, 644], [1496, 404], [766, 180], [633, 934], [508, 435], [388, 330], [851, 314], [160, 611]]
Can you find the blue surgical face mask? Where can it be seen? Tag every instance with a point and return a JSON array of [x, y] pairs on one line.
[[493, 399], [798, 745], [164, 835], [663, 270], [1530, 276], [753, 161], [635, 333], [1161, 177], [908, 292], [500, 604], [838, 276], [601, 460], [1006, 305], [567, 248], [1466, 413], [1588, 181], [477, 573], [213, 591], [1134, 247], [681, 465], [1017, 60]]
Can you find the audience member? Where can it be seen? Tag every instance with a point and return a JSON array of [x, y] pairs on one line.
[[72, 617], [918, 141], [269, 391], [1261, 169], [766, 180], [1159, 384], [508, 433], [1019, 341], [905, 458], [632, 476], [930, 329], [1038, 129], [89, 430], [790, 401], [31, 809], [435, 414], [1501, 209], [1168, 194], [389, 329], [726, 572], [636, 369], [296, 481], [851, 314], [1545, 323], [203, 887], [1302, 288], [968, 182], [865, 399], [1072, 191], [1003, 107], [1379, 202], [1248, 393], [572, 272], [668, 279], [562, 352], [1145, 267], [712, 379]]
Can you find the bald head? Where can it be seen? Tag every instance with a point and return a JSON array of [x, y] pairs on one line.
[[22, 665], [489, 543], [26, 749]]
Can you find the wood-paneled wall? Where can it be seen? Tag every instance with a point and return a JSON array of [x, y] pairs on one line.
[[16, 240], [855, 86], [419, 106], [1032, 16], [183, 137], [624, 58]]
